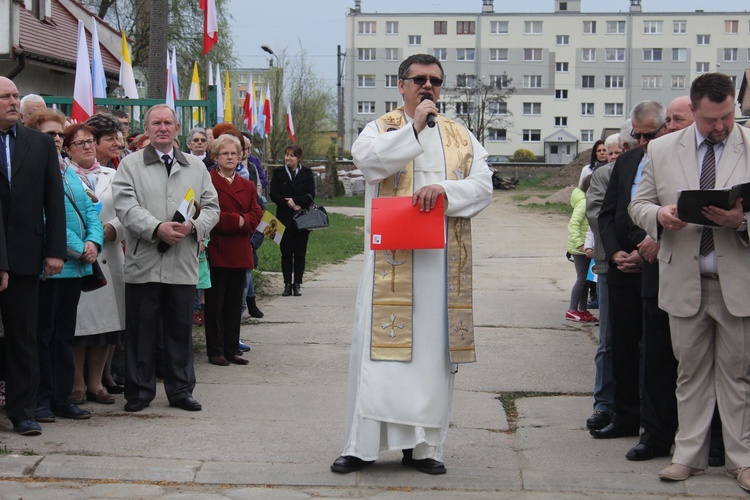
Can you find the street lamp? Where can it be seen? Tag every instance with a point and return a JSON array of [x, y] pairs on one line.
[[279, 79], [266, 48]]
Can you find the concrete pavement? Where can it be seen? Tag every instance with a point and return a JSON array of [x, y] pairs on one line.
[[271, 429]]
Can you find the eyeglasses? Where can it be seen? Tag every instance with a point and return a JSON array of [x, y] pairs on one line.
[[228, 154], [198, 139], [421, 80], [55, 134], [646, 135], [80, 144]]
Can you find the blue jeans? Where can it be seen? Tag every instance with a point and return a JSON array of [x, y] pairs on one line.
[[604, 385]]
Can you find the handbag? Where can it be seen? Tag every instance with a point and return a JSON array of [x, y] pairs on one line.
[[96, 279], [314, 217]]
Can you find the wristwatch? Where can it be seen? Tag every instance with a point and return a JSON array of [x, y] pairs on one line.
[[743, 225]]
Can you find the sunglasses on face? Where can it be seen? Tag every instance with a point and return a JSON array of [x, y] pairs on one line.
[[421, 80], [56, 134], [646, 135], [199, 140]]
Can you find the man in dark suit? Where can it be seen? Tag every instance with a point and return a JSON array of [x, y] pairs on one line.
[[34, 221], [623, 244]]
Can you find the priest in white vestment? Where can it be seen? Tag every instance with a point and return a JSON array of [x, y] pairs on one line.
[[405, 405]]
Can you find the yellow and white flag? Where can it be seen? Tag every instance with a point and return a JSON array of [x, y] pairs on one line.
[[271, 226], [195, 93]]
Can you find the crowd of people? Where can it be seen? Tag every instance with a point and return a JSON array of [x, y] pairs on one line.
[[123, 278]]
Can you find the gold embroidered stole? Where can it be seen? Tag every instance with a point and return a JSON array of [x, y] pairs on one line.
[[393, 272]]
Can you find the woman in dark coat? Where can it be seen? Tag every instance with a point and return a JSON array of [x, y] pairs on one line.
[[292, 189]]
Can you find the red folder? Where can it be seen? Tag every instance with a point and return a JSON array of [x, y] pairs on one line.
[[396, 224]]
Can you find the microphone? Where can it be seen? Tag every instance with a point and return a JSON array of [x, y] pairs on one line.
[[430, 117]]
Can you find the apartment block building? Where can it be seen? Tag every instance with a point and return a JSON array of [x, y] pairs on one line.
[[575, 74]]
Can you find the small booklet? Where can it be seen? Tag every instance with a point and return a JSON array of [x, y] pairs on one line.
[[690, 202], [396, 224], [185, 211]]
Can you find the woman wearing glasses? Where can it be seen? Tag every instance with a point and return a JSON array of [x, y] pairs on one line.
[[197, 142], [229, 253], [59, 294]]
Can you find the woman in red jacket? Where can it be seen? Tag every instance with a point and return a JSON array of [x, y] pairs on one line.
[[229, 253]]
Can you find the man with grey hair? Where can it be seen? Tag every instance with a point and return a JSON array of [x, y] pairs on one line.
[[29, 104], [627, 141], [623, 244]]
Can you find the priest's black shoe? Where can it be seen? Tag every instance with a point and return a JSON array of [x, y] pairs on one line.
[[287, 290], [642, 452], [598, 420], [187, 404], [136, 404], [348, 463], [715, 457], [613, 431], [426, 465]]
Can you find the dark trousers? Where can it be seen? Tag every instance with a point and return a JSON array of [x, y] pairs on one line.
[[658, 401], [151, 309], [626, 319], [18, 306], [58, 302], [224, 311], [293, 249]]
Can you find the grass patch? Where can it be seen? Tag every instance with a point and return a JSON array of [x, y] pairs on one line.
[[508, 400], [536, 183], [343, 201], [550, 208]]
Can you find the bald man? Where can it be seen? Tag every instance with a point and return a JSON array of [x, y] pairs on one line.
[[679, 114]]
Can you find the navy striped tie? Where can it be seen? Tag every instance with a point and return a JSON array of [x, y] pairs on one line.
[[708, 181]]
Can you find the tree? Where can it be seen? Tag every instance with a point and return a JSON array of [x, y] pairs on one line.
[[481, 106]]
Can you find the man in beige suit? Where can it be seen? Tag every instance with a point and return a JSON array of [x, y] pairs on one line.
[[705, 276]]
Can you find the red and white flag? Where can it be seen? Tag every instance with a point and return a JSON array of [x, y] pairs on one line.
[[289, 121], [83, 92], [210, 25], [267, 110], [249, 105]]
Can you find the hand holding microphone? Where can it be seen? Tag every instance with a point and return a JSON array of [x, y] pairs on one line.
[[430, 116]]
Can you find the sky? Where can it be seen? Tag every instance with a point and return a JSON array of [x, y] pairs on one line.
[[319, 25]]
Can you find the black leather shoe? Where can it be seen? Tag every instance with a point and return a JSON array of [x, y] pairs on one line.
[[136, 404], [71, 411], [613, 431], [296, 290], [348, 463], [598, 420], [642, 452], [426, 465], [187, 404], [287, 290], [27, 427], [715, 457]]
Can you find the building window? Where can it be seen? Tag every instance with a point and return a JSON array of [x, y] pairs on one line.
[[391, 27], [651, 81], [587, 136], [391, 55], [532, 108], [652, 55], [678, 81], [497, 108], [701, 67], [614, 81], [366, 107], [653, 27], [497, 135], [615, 27], [703, 40], [532, 55], [588, 81], [441, 27], [390, 106], [679, 27], [748, 55], [587, 108], [532, 81], [498, 27], [532, 27], [731, 27], [614, 55], [465, 27], [561, 67], [499, 81], [365, 54], [465, 54], [679, 55], [561, 94], [464, 81], [498, 54], [562, 40], [588, 55], [589, 27], [415, 40], [730, 55], [367, 27], [365, 81], [465, 108], [532, 135], [391, 81], [613, 109], [561, 121], [241, 94], [440, 54]]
